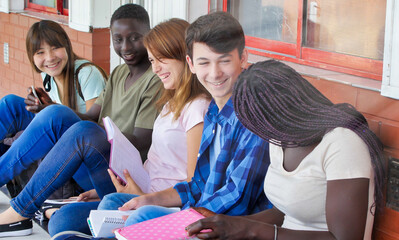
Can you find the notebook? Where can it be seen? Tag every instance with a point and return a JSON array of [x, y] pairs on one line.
[[102, 222], [171, 226], [125, 156]]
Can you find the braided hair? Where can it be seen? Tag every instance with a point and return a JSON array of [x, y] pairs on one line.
[[276, 103]]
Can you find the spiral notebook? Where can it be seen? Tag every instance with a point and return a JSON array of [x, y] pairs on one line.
[[102, 222], [171, 226]]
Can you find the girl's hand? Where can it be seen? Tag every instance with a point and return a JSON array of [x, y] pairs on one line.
[[33, 104], [135, 203], [204, 211], [131, 187], [88, 196], [221, 227]]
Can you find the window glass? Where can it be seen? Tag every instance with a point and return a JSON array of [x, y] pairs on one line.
[[270, 19], [65, 4], [215, 5], [346, 26], [47, 3]]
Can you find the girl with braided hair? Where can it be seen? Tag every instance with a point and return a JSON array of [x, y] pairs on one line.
[[325, 176]]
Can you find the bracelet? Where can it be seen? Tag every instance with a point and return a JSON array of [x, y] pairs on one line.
[[275, 232]]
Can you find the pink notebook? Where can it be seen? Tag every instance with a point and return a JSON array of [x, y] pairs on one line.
[[171, 226]]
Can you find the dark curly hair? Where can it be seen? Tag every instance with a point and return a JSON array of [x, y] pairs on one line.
[[276, 103]]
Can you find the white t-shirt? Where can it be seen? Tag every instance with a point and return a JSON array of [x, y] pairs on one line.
[[167, 157], [301, 193], [91, 83]]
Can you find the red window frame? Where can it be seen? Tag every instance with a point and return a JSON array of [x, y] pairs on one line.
[[58, 10], [296, 52]]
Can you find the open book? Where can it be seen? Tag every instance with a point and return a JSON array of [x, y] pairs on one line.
[[125, 156], [102, 222], [171, 226]]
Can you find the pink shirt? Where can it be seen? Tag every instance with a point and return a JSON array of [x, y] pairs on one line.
[[167, 157]]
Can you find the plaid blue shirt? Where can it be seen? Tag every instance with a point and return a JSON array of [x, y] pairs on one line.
[[235, 185]]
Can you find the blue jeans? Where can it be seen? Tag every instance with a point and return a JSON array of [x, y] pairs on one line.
[[85, 143], [114, 200], [38, 138], [72, 217], [13, 118]]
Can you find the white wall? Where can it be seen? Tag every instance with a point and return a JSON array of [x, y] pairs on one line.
[[196, 8], [87, 14], [390, 77], [11, 6]]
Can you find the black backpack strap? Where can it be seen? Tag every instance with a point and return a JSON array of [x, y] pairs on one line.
[[46, 83], [77, 79]]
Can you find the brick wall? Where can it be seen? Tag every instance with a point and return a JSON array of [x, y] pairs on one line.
[[382, 114], [17, 75]]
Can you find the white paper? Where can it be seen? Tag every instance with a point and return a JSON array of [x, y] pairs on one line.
[[125, 156]]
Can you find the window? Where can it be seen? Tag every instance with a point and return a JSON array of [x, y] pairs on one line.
[[340, 35], [52, 6]]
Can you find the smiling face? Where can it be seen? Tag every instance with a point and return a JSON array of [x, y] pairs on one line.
[[217, 72], [51, 60], [127, 38], [168, 70]]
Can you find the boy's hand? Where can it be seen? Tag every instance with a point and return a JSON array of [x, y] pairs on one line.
[[131, 187], [33, 104], [88, 196]]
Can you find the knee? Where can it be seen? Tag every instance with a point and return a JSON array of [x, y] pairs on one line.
[[93, 133], [71, 217], [111, 201], [11, 99], [56, 111], [88, 127], [60, 220], [145, 213], [56, 115]]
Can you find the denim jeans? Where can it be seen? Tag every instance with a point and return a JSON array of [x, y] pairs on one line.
[[38, 138], [72, 217], [85, 143], [50, 124], [13, 118], [114, 200]]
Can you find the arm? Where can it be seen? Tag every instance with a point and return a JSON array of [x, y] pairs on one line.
[[91, 82], [92, 114], [141, 138], [166, 198], [89, 103], [193, 144], [346, 213]]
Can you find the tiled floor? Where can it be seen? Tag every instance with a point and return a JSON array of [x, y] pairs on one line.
[[38, 232]]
